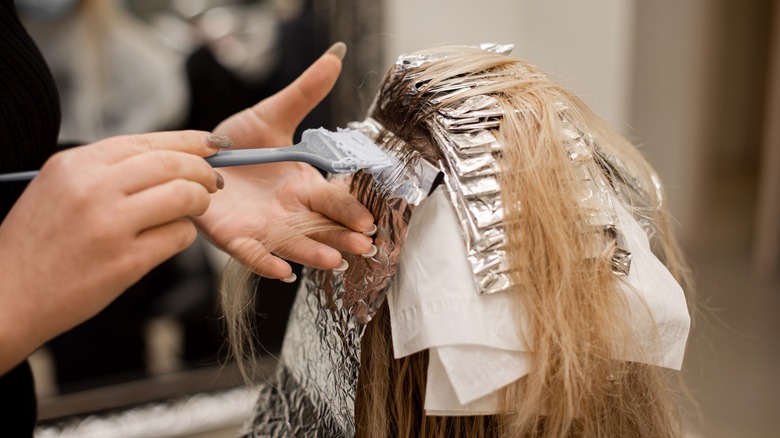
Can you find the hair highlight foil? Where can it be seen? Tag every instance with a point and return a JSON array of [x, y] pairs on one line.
[[313, 390]]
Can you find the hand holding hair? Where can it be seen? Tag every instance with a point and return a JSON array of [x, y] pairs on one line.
[[95, 220], [260, 202], [99, 217]]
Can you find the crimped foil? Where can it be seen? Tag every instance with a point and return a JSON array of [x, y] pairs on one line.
[[596, 191], [313, 391], [463, 130], [409, 62]]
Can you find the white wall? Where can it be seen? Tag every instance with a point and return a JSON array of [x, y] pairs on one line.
[[670, 106], [585, 44]]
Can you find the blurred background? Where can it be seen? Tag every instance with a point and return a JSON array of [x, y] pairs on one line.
[[696, 83]]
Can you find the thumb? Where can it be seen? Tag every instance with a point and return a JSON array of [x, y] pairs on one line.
[[287, 108]]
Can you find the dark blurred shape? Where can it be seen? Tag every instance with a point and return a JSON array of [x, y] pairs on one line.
[[45, 10]]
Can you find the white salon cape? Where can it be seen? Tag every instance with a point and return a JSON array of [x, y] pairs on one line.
[[472, 339]]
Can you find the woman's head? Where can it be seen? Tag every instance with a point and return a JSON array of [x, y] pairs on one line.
[[537, 183], [534, 175]]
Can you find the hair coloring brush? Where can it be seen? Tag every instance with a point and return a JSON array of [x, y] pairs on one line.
[[344, 151]]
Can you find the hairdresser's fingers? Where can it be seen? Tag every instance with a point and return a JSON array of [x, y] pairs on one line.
[[341, 207], [287, 108], [166, 203], [346, 241], [199, 143], [155, 245], [341, 183], [150, 169], [253, 254], [309, 252]]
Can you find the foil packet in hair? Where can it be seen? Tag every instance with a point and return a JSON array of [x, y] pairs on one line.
[[313, 391]]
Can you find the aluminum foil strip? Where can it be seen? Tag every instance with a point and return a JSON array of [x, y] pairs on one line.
[[313, 394], [629, 189], [462, 129], [632, 191], [284, 408], [451, 91], [313, 391], [596, 191], [477, 162], [474, 143], [408, 62]]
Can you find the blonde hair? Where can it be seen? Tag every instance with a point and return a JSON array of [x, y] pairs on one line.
[[578, 316], [237, 291]]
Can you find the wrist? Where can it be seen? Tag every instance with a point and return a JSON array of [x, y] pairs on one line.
[[18, 334], [16, 340]]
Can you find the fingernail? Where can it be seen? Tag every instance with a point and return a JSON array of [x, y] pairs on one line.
[[342, 266], [217, 141], [339, 49], [370, 233], [290, 279], [370, 253], [220, 181]]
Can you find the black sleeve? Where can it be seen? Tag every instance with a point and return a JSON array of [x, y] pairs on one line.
[[18, 407], [29, 126]]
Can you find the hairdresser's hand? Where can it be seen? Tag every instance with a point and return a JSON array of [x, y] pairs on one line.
[[260, 200], [96, 219]]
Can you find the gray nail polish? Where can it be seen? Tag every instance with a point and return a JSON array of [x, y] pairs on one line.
[[220, 181], [218, 141], [290, 279], [339, 50]]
